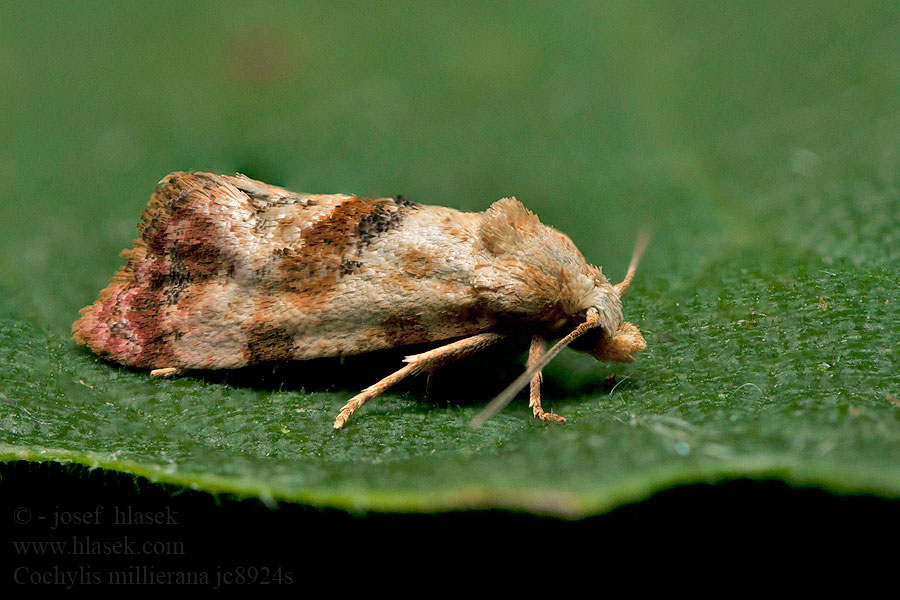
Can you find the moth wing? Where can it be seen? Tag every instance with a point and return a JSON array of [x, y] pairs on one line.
[[229, 271], [196, 239]]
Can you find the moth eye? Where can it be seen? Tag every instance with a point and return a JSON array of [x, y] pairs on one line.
[[590, 341], [582, 314]]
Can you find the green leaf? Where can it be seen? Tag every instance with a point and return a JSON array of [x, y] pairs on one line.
[[758, 142]]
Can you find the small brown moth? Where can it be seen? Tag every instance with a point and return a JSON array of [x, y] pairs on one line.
[[229, 272]]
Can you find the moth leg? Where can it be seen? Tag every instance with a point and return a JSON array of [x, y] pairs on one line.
[[535, 351], [167, 372], [428, 382], [417, 363]]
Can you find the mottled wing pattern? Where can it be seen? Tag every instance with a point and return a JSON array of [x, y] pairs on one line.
[[229, 271]]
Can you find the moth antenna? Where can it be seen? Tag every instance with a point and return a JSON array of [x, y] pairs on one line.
[[506, 396], [639, 247]]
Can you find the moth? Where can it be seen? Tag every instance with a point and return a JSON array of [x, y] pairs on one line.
[[229, 272]]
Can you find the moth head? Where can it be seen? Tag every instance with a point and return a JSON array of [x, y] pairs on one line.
[[614, 340], [622, 346]]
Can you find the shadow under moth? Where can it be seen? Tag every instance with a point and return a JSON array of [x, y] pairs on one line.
[[230, 272]]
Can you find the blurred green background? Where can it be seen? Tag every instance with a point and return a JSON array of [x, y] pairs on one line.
[[758, 140]]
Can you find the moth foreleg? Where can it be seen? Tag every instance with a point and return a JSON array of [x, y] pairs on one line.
[[535, 351], [417, 363]]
